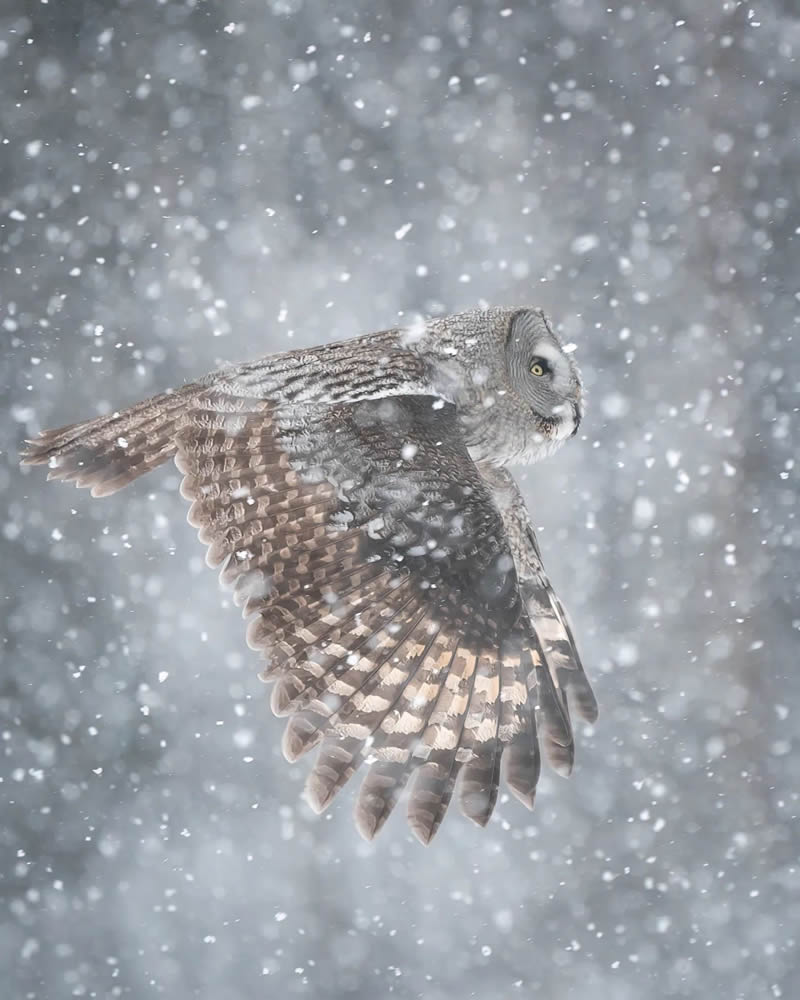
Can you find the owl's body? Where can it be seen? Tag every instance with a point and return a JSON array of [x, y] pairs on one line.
[[357, 499]]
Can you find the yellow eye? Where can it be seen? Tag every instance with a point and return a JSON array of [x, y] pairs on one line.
[[537, 368]]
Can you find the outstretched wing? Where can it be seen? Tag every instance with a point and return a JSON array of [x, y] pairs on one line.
[[384, 598], [380, 577]]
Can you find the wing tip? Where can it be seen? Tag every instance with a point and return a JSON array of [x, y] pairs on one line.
[[317, 794], [367, 823], [38, 450], [99, 490], [424, 832], [586, 704], [480, 819], [28, 456], [563, 768], [299, 736], [526, 796], [284, 695], [560, 756]]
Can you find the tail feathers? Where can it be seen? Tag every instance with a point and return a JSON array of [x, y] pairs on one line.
[[109, 452]]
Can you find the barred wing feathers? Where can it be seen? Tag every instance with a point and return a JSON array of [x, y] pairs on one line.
[[381, 587], [363, 542], [553, 629]]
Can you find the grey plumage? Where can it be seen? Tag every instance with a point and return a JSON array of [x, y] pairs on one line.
[[356, 498]]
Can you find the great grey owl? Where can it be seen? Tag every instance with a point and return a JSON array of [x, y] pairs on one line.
[[357, 498]]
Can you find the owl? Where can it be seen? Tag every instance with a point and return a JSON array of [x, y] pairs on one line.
[[357, 499]]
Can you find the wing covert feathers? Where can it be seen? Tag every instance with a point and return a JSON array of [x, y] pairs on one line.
[[375, 669]]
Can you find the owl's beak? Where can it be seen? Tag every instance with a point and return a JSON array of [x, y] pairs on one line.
[[577, 416]]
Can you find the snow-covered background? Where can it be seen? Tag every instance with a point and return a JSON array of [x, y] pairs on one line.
[[183, 183]]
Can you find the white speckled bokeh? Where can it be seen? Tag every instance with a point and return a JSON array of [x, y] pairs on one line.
[[188, 183]]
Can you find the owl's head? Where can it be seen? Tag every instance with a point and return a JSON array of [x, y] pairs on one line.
[[518, 391], [542, 373]]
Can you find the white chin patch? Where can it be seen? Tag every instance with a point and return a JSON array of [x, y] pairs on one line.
[[542, 445], [564, 427]]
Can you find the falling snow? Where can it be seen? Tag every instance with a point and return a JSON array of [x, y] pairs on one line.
[[181, 190]]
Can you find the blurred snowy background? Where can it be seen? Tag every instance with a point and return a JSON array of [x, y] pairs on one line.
[[183, 183]]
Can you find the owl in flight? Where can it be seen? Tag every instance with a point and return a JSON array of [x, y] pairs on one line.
[[357, 498]]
